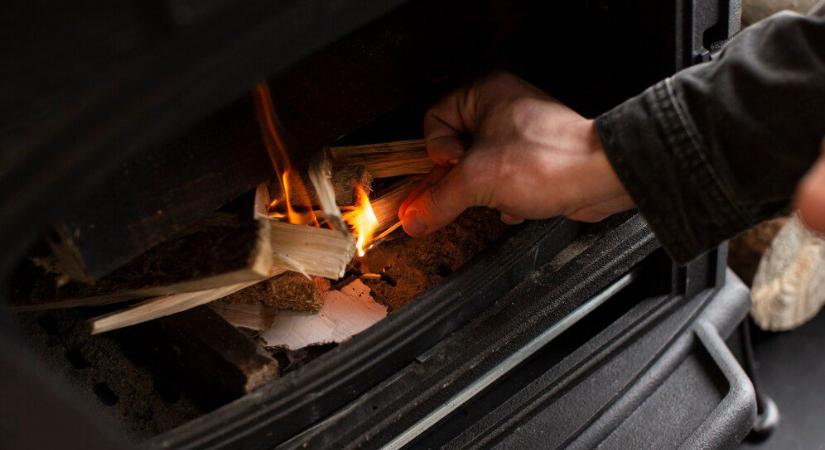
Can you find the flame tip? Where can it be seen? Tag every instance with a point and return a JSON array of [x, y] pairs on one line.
[[362, 219]]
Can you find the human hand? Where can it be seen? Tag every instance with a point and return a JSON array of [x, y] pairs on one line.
[[504, 144]]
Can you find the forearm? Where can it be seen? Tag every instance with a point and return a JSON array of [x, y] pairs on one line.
[[721, 146]]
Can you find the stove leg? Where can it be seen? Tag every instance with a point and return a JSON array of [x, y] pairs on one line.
[[767, 414]]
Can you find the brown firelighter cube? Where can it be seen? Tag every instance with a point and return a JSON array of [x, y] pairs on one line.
[[291, 291]]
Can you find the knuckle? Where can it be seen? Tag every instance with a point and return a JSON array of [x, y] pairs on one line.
[[523, 111]]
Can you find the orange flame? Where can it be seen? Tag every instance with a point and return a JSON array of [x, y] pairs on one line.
[[298, 205], [362, 219]]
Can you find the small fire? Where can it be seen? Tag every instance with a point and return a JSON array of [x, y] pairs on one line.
[[362, 219], [298, 206], [294, 203]]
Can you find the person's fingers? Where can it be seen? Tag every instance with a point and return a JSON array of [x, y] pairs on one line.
[[445, 150], [445, 125], [435, 175], [437, 205], [810, 196]]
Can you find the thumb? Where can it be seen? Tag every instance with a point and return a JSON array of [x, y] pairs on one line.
[[810, 196], [437, 204]]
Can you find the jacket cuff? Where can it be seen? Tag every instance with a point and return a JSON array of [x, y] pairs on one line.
[[661, 160]]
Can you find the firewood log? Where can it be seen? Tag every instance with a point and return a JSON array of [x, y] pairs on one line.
[[210, 256], [218, 360], [389, 159], [158, 307], [217, 259]]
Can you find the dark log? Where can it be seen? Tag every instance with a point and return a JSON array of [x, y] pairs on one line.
[[161, 193], [217, 360]]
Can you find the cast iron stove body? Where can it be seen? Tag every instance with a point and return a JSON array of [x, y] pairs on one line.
[[561, 335]]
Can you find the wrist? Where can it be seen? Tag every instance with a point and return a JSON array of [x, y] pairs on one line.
[[600, 192]]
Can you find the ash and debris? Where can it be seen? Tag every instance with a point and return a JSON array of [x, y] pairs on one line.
[[136, 395], [411, 266], [98, 368], [289, 360]]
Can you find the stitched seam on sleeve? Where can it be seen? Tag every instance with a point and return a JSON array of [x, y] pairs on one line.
[[693, 158], [668, 232]]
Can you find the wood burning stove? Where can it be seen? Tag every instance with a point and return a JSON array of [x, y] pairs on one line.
[[558, 335]]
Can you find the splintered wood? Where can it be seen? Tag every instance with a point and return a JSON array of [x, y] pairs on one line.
[[160, 307], [390, 159], [307, 250], [344, 314], [238, 258], [310, 250], [218, 254]]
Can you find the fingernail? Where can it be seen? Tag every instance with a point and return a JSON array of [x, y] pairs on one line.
[[511, 220], [413, 224]]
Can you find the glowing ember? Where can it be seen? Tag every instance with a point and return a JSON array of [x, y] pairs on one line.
[[362, 220], [298, 205]]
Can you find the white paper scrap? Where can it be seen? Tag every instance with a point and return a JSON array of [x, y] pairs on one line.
[[345, 313]]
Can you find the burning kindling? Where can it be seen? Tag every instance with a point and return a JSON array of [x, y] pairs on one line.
[[278, 255]]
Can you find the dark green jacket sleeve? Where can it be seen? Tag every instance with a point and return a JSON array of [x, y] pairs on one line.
[[721, 146]]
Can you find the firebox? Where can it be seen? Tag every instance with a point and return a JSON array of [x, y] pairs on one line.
[[134, 124]]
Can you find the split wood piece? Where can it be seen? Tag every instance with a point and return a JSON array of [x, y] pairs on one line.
[[301, 248], [307, 249], [310, 250], [215, 355], [389, 159], [320, 173], [289, 291], [253, 316], [345, 313], [160, 307], [386, 205], [213, 256]]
